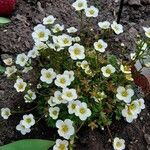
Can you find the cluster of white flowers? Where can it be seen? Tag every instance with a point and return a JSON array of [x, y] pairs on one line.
[[131, 111], [25, 124], [82, 5], [132, 108], [117, 28], [51, 36]]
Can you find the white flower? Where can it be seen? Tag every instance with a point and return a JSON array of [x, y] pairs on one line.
[[132, 56], [69, 94], [72, 106], [77, 51], [146, 61], [91, 11], [124, 94], [33, 53], [61, 145], [8, 61], [54, 112], [5, 113], [58, 98], [128, 114], [84, 64], [134, 107], [72, 30], [118, 28], [55, 47], [20, 127], [108, 70], [82, 111], [51, 101], [27, 69], [62, 80], [48, 75], [49, 20], [104, 25], [40, 45], [30, 96], [100, 46], [70, 74], [125, 69], [64, 40], [20, 85], [41, 35], [28, 121], [141, 103], [65, 128], [118, 144], [22, 59], [57, 28], [39, 26], [76, 39], [147, 31], [10, 70], [80, 4]]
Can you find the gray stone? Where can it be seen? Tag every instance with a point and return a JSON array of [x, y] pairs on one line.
[[134, 2], [147, 138]]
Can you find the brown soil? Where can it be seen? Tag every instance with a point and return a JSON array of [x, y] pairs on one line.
[[16, 37]]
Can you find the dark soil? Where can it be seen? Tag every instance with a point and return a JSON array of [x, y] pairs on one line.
[[16, 37]]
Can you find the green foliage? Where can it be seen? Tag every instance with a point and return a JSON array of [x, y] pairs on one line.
[[2, 69], [4, 20], [29, 144]]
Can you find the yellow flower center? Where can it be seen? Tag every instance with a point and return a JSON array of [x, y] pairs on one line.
[[62, 81], [80, 4], [69, 94], [108, 71], [20, 86], [91, 12], [61, 147], [124, 93], [28, 120], [118, 144], [48, 75], [54, 112], [41, 34], [73, 106], [66, 41], [100, 46], [82, 110], [77, 51], [64, 128]]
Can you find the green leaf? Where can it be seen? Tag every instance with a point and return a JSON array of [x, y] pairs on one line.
[[28, 144], [4, 20], [2, 69]]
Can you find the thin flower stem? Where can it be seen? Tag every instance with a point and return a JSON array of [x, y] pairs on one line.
[[29, 110], [109, 132], [40, 118], [80, 127]]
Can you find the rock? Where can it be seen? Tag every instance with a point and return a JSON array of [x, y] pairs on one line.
[[146, 2], [147, 138], [148, 147], [134, 2], [133, 32]]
